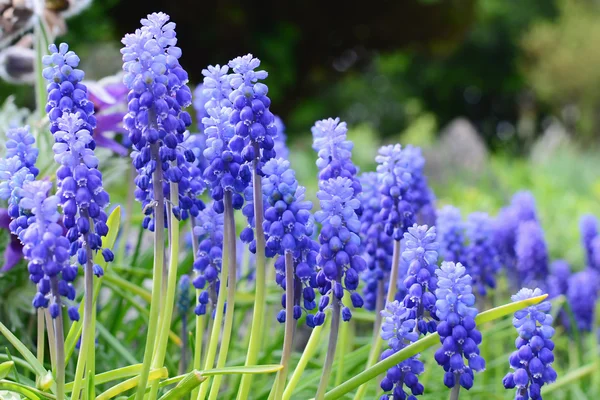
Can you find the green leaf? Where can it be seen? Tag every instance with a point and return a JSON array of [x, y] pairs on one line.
[[5, 368], [250, 369], [185, 386], [28, 392], [124, 386], [23, 350], [113, 222], [113, 375], [115, 344], [420, 345], [572, 376]]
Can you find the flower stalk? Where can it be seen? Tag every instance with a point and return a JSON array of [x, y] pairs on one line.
[[59, 343]]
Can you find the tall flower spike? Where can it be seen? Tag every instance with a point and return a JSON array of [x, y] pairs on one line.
[[339, 257], [399, 331], [395, 180], [47, 250], [558, 280], [533, 358], [289, 227], [588, 226], [280, 147], [421, 255], [532, 254], [209, 230], [156, 121], [451, 234], [420, 194], [378, 246], [582, 294], [20, 143], [458, 334], [482, 257]]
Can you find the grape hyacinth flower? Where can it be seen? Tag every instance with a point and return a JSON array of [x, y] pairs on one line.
[[207, 266], [451, 234], [533, 358], [582, 294], [399, 331], [481, 255], [458, 334], [378, 246], [289, 227], [280, 146], [588, 226], [558, 280], [532, 254], [421, 255], [419, 194], [395, 180], [156, 121]]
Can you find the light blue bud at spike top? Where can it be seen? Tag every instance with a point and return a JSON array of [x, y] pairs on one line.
[[532, 254], [378, 247], [458, 334], [226, 170], [255, 128], [395, 180], [207, 266], [399, 331], [158, 93], [582, 294], [532, 361], [289, 227], [421, 255], [451, 234], [339, 257], [46, 249], [588, 226], [482, 261]]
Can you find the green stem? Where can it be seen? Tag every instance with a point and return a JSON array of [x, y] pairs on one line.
[[256, 331], [185, 386], [343, 346], [290, 324], [455, 391], [307, 355], [88, 307], [211, 352], [51, 340], [159, 245], [41, 327], [133, 382], [169, 301], [200, 325], [113, 375], [59, 337], [333, 336], [377, 340], [231, 286]]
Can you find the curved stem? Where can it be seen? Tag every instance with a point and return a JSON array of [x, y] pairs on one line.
[[59, 337], [231, 286], [169, 301], [159, 245], [211, 351], [290, 324], [333, 336], [378, 341], [256, 336]]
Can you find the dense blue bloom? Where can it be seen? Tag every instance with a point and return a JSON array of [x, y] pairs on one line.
[[378, 246], [558, 280], [532, 254], [458, 334], [281, 148], [582, 294], [588, 226], [209, 230], [482, 259], [399, 331], [156, 121], [289, 227], [47, 250], [254, 123], [339, 256], [533, 358], [451, 234], [395, 180], [421, 255], [199, 101], [419, 195], [20, 144]]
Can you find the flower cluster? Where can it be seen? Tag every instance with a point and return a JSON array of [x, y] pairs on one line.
[[482, 259], [395, 180], [582, 294], [588, 226], [47, 250], [458, 334], [419, 195], [209, 230], [289, 227], [280, 147], [532, 254], [156, 122], [451, 234], [558, 280], [378, 246], [533, 358], [421, 255], [399, 331], [339, 256]]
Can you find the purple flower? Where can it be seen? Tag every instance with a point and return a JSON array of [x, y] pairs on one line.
[[532, 254], [280, 147], [582, 294], [482, 259], [451, 234], [533, 358], [588, 226], [458, 334], [13, 253], [419, 194]]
